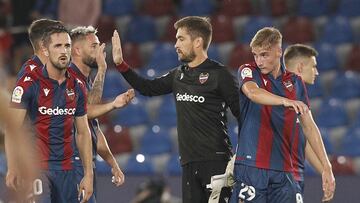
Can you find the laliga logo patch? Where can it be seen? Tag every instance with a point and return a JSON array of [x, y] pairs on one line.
[[203, 77], [70, 93], [246, 73], [17, 94], [288, 85]]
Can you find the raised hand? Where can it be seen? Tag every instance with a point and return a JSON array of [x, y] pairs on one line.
[[116, 48], [101, 58]]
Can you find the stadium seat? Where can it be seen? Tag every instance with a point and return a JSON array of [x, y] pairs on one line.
[[102, 167], [236, 8], [131, 54], [325, 134], [279, 8], [119, 140], [134, 114], [332, 114], [118, 7], [315, 90], [156, 143], [170, 32], [349, 8], [337, 31], [139, 164], [157, 8], [113, 84], [352, 61], [173, 166], [196, 7], [164, 57], [350, 143], [298, 30], [141, 29], [346, 86], [327, 58], [223, 30], [312, 8], [167, 112], [309, 170], [240, 54], [213, 53], [252, 26], [342, 165], [107, 26]]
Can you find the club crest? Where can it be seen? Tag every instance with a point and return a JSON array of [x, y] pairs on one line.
[[203, 77], [70, 93], [288, 84]]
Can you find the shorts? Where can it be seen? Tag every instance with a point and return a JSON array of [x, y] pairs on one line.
[[55, 187], [196, 175], [264, 186], [79, 172]]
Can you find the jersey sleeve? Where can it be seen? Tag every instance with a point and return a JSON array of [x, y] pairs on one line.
[[158, 86], [303, 95], [23, 92], [81, 106], [229, 89], [248, 72]]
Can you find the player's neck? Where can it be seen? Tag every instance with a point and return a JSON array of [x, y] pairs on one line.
[[41, 56], [55, 74], [85, 69], [276, 72], [199, 59]]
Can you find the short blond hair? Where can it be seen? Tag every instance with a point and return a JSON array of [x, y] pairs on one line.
[[266, 37]]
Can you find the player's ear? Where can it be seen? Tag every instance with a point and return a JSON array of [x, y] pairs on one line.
[[44, 49], [198, 42], [300, 67]]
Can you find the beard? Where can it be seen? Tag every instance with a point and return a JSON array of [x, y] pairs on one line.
[[58, 65], [90, 61], [188, 58]]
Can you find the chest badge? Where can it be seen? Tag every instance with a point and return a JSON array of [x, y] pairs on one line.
[[203, 77], [288, 84], [70, 93]]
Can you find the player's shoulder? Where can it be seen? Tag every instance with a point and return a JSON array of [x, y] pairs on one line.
[[251, 66], [28, 78]]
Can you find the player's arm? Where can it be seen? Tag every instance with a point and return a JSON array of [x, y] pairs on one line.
[[229, 89], [85, 148], [313, 135], [96, 110], [94, 96], [159, 86], [313, 158], [105, 153]]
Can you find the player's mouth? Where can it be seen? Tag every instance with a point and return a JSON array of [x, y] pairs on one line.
[[63, 59]]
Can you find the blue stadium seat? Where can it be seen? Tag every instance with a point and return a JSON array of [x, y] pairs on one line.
[[164, 57], [213, 53], [327, 59], [327, 142], [351, 142], [312, 8], [134, 114], [134, 167], [337, 31], [155, 143], [102, 167], [141, 29], [346, 86], [315, 90], [113, 84], [309, 170], [196, 7], [252, 26], [118, 7], [173, 166], [167, 112], [332, 114], [349, 8]]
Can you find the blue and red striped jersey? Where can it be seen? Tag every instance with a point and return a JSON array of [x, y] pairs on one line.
[[267, 132], [298, 153], [52, 108], [32, 64], [93, 123]]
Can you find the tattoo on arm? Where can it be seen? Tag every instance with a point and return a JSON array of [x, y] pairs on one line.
[[94, 96]]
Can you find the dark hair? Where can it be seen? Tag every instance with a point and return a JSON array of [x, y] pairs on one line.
[[46, 38], [37, 30], [298, 50], [197, 27], [79, 33]]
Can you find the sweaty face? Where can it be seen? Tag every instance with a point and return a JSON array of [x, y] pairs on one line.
[[59, 50], [309, 70], [267, 58], [90, 48], [184, 46]]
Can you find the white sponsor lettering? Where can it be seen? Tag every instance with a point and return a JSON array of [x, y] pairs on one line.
[[56, 111], [190, 98]]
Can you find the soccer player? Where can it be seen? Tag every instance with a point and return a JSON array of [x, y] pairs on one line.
[[203, 89], [35, 32], [55, 100], [272, 102], [301, 60], [88, 54]]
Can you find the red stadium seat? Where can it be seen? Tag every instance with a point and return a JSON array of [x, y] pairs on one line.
[[223, 30], [241, 54], [352, 61], [170, 31], [278, 8], [236, 8], [119, 142], [298, 30], [342, 165], [158, 7], [132, 55], [107, 26]]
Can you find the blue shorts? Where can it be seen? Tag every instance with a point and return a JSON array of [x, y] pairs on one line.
[[301, 185], [55, 187], [79, 172], [264, 186]]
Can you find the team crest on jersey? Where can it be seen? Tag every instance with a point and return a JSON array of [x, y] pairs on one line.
[[70, 93], [17, 94], [203, 77], [246, 73], [288, 84]]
